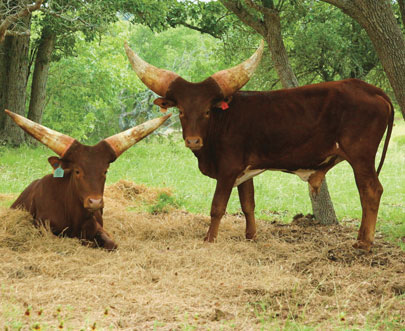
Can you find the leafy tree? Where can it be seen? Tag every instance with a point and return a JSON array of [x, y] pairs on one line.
[[378, 20], [326, 44], [109, 97]]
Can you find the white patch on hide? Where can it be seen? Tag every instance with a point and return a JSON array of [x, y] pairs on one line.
[[326, 160], [304, 174], [247, 174]]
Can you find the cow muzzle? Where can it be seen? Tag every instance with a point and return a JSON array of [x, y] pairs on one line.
[[94, 203], [194, 143]]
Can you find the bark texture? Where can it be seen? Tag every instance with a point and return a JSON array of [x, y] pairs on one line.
[[14, 83], [402, 10], [377, 18], [40, 78], [3, 79], [270, 29]]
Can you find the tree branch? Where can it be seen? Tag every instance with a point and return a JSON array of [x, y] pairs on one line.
[[13, 18], [342, 4], [17, 33], [257, 7], [245, 16], [202, 30]]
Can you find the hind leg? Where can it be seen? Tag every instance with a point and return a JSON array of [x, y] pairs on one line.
[[247, 202], [370, 190]]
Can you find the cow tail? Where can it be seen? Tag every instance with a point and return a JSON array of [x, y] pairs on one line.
[[387, 137]]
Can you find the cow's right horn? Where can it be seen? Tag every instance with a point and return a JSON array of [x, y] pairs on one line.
[[56, 141], [232, 79], [124, 140], [158, 80]]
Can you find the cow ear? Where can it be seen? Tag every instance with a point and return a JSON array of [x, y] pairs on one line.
[[164, 103], [56, 162], [224, 103]]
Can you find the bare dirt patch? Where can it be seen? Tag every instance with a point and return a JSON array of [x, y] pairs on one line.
[[163, 276]]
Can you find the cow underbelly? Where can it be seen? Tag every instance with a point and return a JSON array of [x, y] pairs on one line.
[[304, 174], [247, 174]]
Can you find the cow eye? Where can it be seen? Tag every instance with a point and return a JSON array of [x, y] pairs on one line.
[[181, 113], [77, 172], [207, 113]]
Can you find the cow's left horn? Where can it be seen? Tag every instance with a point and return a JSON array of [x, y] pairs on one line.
[[124, 140], [158, 80], [56, 141], [231, 80]]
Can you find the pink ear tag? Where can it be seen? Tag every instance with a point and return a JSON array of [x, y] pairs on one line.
[[224, 105]]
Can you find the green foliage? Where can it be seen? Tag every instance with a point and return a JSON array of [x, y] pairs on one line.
[[164, 204], [400, 140], [89, 94], [325, 44]]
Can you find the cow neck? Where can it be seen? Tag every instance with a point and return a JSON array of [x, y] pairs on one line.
[[74, 206], [220, 122]]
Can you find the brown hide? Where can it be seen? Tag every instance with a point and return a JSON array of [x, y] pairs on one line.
[[67, 202], [305, 130], [73, 203]]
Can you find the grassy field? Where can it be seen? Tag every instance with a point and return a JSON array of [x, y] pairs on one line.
[[162, 162], [163, 277]]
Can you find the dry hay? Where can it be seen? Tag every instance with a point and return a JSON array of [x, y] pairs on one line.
[[128, 193], [163, 276]]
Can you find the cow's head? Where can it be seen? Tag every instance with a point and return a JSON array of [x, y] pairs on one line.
[[195, 101], [86, 166]]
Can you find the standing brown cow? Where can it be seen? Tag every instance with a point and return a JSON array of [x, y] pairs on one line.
[[236, 135], [72, 198]]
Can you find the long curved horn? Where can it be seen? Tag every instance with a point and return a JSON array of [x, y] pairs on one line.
[[231, 80], [56, 141], [124, 140], [158, 80]]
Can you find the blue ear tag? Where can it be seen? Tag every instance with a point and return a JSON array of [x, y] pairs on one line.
[[58, 173]]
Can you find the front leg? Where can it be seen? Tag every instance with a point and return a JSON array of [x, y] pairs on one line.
[[93, 231], [221, 196], [247, 202]]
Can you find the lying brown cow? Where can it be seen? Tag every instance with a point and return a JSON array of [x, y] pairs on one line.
[[236, 135], [72, 198]]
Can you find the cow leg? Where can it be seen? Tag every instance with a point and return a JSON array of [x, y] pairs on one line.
[[247, 202], [370, 190], [103, 239], [221, 196], [93, 231]]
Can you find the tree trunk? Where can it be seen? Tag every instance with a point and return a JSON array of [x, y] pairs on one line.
[[40, 77], [402, 10], [15, 83], [377, 18], [278, 52], [270, 29], [3, 89]]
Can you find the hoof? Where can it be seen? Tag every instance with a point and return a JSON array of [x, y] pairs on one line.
[[112, 246], [209, 239], [360, 244], [250, 236]]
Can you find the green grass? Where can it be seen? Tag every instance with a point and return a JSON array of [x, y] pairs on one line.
[[161, 162]]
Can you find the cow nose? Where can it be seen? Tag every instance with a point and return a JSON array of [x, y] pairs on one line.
[[194, 143], [94, 203]]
